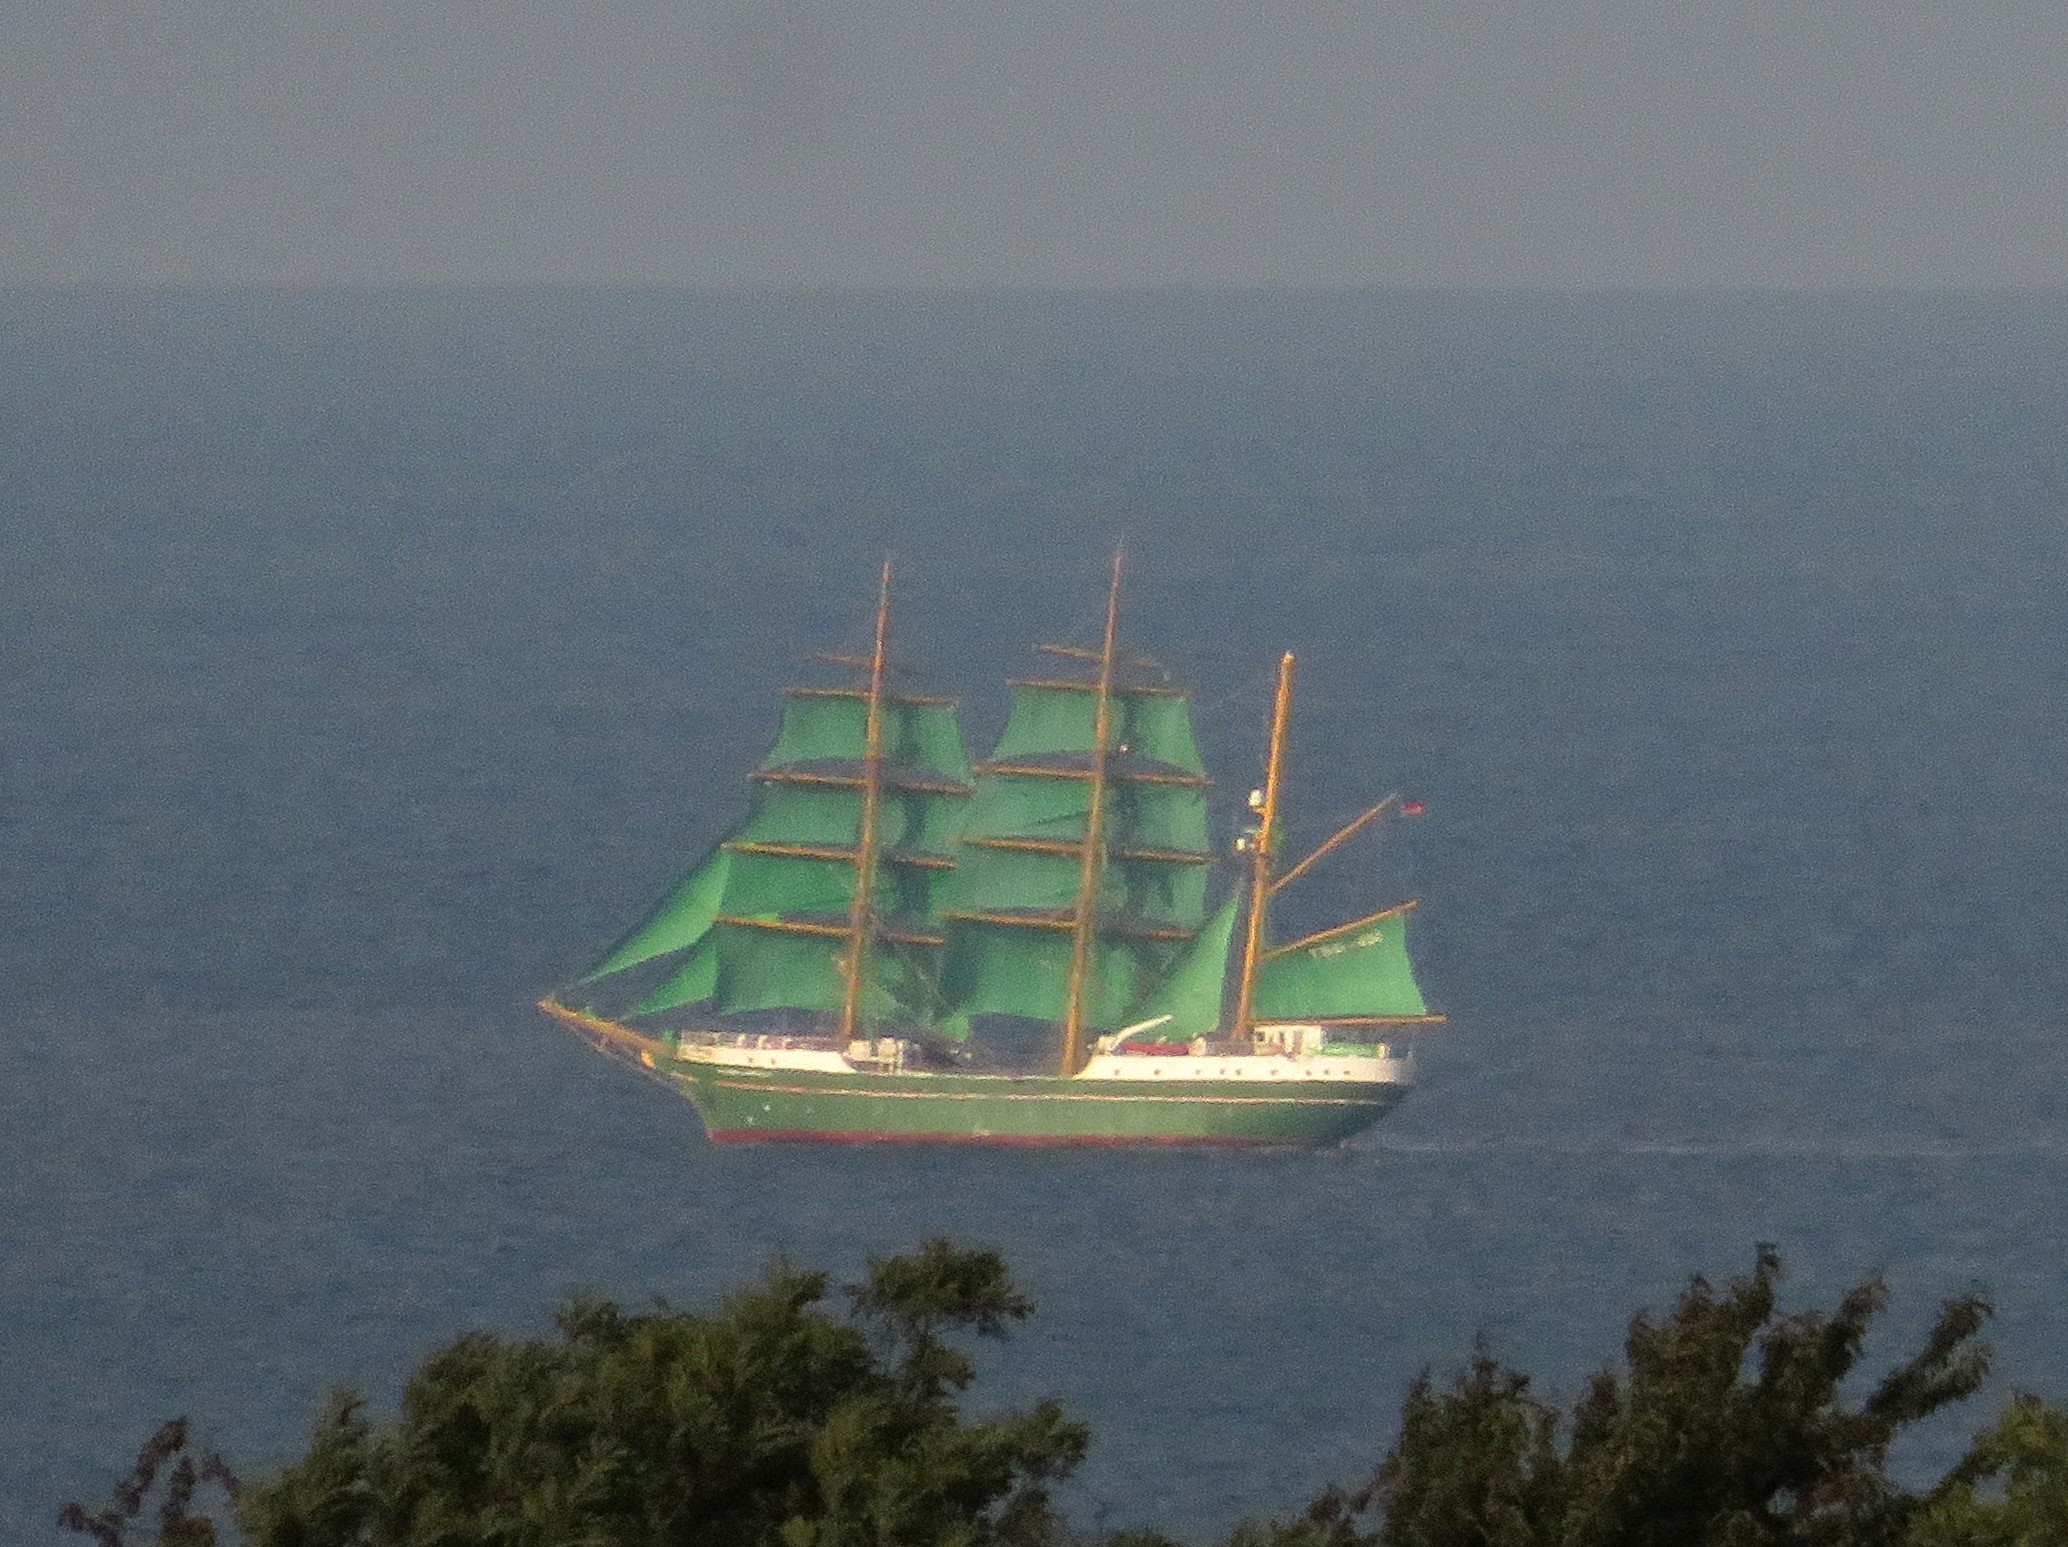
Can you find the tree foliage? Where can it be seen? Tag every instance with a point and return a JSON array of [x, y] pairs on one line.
[[2010, 1491], [771, 1423], [1728, 1427], [777, 1421], [167, 1468]]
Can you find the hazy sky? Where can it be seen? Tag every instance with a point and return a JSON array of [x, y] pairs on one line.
[[1588, 142]]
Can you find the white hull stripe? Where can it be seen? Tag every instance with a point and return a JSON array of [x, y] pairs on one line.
[[1173, 1098]]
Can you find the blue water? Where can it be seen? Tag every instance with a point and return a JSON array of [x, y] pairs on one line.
[[371, 658]]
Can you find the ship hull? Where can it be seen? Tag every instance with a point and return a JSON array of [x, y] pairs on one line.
[[749, 1095], [762, 1106]]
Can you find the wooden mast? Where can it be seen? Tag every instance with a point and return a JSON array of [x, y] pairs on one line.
[[872, 801], [1261, 849], [1082, 927]]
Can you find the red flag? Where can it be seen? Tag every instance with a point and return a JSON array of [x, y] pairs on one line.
[[1412, 808]]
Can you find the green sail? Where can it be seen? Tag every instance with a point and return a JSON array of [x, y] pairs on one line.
[[771, 969], [929, 737], [1007, 969], [1153, 893], [682, 918], [918, 823], [824, 737], [826, 815], [1155, 865], [773, 886], [912, 820], [1020, 866], [691, 983], [1191, 996], [1168, 817], [1156, 851], [1049, 718], [1359, 972], [824, 724], [1159, 726], [817, 727], [910, 894], [1011, 805], [993, 880], [1055, 807], [794, 863], [802, 968]]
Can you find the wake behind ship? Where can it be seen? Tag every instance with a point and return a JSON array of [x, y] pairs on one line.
[[896, 946]]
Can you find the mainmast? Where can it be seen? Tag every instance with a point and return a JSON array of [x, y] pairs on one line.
[[1262, 847], [1082, 863], [1085, 919], [872, 800]]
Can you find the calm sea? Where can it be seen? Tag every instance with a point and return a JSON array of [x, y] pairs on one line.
[[371, 658]]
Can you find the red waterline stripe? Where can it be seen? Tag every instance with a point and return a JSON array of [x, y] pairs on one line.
[[1023, 1141]]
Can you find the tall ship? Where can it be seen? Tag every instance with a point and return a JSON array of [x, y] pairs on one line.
[[899, 946]]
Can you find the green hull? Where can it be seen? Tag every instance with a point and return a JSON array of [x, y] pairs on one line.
[[760, 1105], [748, 1105]]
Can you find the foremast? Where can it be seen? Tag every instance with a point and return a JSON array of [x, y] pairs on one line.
[[824, 899]]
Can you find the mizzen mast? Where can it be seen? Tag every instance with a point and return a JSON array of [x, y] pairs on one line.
[[1261, 849], [858, 920], [1084, 920]]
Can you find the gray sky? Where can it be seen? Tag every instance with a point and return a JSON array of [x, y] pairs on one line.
[[874, 142]]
